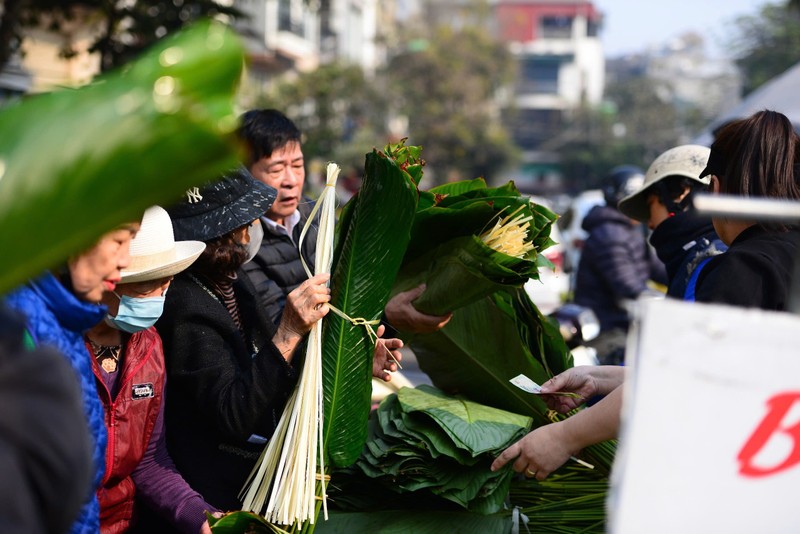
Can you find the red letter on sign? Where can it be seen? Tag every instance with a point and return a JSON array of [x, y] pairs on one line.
[[778, 405]]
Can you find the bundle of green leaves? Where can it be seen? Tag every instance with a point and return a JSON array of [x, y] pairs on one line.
[[428, 443], [489, 342], [469, 240]]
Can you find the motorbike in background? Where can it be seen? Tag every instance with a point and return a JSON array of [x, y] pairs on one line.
[[578, 325]]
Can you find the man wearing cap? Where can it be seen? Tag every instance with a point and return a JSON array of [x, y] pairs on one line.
[[276, 159], [683, 240], [129, 367]]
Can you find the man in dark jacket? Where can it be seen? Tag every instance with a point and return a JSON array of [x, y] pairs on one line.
[[276, 159], [615, 265]]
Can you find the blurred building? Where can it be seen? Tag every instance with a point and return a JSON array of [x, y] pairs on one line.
[[684, 75], [284, 37], [561, 68], [15, 80], [52, 59]]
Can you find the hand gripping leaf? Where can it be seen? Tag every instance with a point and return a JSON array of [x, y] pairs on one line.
[[372, 237]]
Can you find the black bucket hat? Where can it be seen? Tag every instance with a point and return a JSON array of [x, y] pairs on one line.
[[211, 211]]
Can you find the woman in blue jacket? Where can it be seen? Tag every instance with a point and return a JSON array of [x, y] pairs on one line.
[[59, 308]]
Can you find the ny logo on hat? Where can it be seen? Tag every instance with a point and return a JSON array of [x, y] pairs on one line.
[[193, 195]]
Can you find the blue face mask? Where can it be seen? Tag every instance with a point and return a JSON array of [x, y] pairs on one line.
[[136, 313]]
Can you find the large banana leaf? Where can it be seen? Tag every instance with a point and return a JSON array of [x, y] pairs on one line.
[[461, 271], [448, 255], [489, 342], [466, 208], [75, 163], [373, 235], [481, 349]]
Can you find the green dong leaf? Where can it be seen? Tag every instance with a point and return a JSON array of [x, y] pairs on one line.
[[369, 251]]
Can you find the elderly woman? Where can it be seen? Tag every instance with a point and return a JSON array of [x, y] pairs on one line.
[[230, 369], [59, 308], [131, 380]]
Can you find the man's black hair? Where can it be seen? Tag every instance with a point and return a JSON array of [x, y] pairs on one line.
[[265, 131]]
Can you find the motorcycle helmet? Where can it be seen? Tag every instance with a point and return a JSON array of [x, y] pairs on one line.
[[621, 182], [686, 161]]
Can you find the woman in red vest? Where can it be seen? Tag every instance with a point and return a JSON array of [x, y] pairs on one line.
[[130, 376]]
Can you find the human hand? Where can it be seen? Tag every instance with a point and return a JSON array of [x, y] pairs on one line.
[[205, 528], [386, 356], [403, 316], [585, 381], [305, 305], [538, 454]]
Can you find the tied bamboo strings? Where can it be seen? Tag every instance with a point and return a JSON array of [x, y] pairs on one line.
[[292, 463]]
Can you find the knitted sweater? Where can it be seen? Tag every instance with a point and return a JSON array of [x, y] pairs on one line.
[[226, 386]]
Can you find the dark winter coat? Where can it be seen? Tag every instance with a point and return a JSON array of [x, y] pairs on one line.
[[755, 272], [682, 242], [45, 448], [56, 318], [224, 386], [276, 270], [615, 266]]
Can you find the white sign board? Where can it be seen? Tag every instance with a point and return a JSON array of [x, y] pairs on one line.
[[710, 438]]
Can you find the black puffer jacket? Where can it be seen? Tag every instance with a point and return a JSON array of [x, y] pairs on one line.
[[682, 242], [276, 270], [615, 266]]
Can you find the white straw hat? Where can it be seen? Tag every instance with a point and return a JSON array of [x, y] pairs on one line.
[[687, 161], [155, 253]]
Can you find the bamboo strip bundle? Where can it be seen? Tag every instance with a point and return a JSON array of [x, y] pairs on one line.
[[510, 235], [292, 463]]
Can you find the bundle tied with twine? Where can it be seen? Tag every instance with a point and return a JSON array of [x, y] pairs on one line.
[[291, 468]]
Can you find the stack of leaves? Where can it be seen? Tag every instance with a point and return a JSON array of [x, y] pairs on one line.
[[470, 240], [426, 442]]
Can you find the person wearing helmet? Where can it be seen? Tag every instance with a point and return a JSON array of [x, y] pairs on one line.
[[683, 240], [616, 264]]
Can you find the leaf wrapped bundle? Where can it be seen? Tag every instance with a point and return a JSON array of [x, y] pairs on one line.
[[421, 439], [372, 235], [448, 254], [79, 162], [491, 341]]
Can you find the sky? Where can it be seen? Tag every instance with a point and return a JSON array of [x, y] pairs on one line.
[[632, 25]]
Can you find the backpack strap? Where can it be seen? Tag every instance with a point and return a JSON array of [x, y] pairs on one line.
[[689, 294]]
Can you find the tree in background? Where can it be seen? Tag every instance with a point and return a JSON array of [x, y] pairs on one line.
[[125, 28], [445, 85], [341, 113], [768, 43], [633, 126], [440, 89]]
